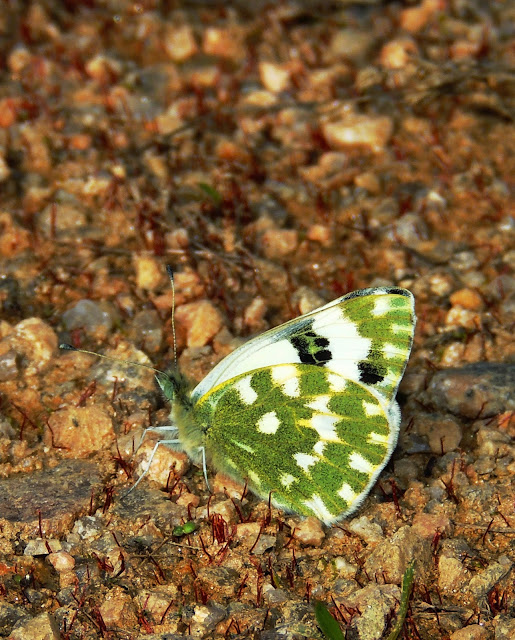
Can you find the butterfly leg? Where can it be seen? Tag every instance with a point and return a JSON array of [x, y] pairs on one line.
[[204, 467], [163, 428], [165, 441]]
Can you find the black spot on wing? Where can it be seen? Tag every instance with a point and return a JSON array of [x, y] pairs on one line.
[[399, 292], [311, 348], [370, 373]]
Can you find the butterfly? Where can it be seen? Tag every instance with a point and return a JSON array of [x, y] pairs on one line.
[[304, 413]]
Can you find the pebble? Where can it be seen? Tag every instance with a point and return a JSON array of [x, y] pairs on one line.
[[224, 42], [467, 299], [202, 321], [439, 284], [39, 547], [80, 431], [61, 219], [96, 319], [428, 524], [275, 77], [376, 603], [206, 617], [345, 568], [453, 575], [391, 556], [349, 44], [13, 239], [156, 601], [43, 627], [413, 19], [368, 181], [60, 494], [372, 132], [221, 580], [368, 531], [32, 343], [5, 171], [410, 229], [166, 464], [124, 368], [482, 583], [103, 68], [320, 233], [61, 561], [186, 499], [504, 626], [118, 609], [222, 483], [179, 42], [37, 157], [254, 314], [224, 508], [8, 362], [397, 53], [147, 330], [481, 389], [471, 632], [444, 433], [274, 597], [279, 243], [308, 531], [459, 317], [150, 274]]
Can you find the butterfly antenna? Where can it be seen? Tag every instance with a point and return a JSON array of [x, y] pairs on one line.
[[68, 347], [169, 271]]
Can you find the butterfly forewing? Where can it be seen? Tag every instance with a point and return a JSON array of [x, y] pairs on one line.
[[365, 336]]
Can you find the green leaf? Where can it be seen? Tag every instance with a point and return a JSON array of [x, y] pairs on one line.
[[407, 586], [214, 195], [184, 529], [328, 625]]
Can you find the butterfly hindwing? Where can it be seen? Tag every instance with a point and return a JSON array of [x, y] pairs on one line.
[[301, 433]]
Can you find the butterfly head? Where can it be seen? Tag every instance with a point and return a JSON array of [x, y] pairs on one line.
[[175, 387]]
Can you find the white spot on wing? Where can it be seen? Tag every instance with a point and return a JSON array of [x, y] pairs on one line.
[[378, 438], [247, 393], [320, 404], [266, 350], [324, 426], [359, 463], [382, 305], [390, 350], [337, 383], [268, 423], [291, 388], [316, 504], [254, 478], [287, 377], [403, 328], [347, 493], [243, 446], [372, 409], [320, 447], [304, 460], [287, 479]]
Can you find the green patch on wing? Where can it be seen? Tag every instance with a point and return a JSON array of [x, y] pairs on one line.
[[387, 321], [312, 439]]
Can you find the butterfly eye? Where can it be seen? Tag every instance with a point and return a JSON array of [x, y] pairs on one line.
[[168, 385]]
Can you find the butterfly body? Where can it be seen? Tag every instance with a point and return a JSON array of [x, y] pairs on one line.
[[305, 412]]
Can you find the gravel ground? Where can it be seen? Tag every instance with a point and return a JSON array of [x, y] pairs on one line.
[[277, 156]]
